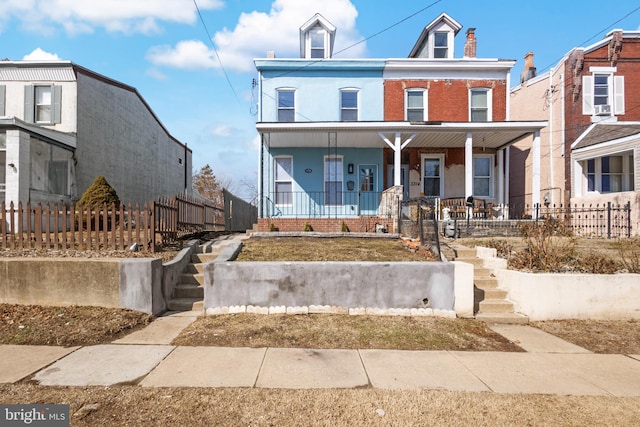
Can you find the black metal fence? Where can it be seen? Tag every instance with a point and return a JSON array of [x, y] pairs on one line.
[[419, 218]]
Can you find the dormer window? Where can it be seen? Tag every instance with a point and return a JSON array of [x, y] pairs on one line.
[[317, 42], [316, 38], [440, 44]]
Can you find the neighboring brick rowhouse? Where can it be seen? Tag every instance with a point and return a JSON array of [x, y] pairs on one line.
[[627, 63], [447, 100]]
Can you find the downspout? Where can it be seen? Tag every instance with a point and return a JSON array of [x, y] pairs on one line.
[[186, 169], [508, 100]]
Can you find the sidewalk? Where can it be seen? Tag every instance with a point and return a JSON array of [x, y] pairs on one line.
[[146, 359]]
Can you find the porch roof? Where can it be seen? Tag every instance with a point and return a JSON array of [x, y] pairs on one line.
[[598, 133], [48, 135], [491, 135]]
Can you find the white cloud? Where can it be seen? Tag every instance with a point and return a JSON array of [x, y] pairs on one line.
[[222, 130], [189, 54], [156, 74], [258, 32], [40, 55], [82, 16]]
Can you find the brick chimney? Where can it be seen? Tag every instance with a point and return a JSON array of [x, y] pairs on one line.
[[470, 44], [529, 70]]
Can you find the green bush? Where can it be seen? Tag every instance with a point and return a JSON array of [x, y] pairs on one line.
[[308, 227], [95, 197], [345, 227]]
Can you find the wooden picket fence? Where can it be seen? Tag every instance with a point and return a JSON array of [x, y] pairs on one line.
[[61, 227]]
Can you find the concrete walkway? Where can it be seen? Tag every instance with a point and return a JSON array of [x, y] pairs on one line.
[[146, 358]]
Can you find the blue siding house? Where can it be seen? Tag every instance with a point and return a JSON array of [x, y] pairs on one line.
[[344, 140]]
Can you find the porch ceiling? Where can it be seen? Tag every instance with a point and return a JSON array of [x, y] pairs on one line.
[[367, 134]]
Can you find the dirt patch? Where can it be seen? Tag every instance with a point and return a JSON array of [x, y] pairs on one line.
[[598, 336], [138, 406], [332, 249], [334, 331], [66, 326], [166, 256]]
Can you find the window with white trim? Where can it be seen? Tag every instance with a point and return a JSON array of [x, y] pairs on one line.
[[609, 174], [483, 176], [602, 93], [480, 105], [42, 103], [432, 178], [441, 44], [317, 42], [416, 105], [349, 105], [333, 177], [286, 105], [283, 182]]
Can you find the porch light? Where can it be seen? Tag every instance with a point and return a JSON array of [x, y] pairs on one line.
[[350, 168]]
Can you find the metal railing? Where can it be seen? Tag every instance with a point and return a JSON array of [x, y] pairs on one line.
[[321, 204], [418, 218]]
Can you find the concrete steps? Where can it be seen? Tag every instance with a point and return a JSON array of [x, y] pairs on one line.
[[491, 303], [188, 295]]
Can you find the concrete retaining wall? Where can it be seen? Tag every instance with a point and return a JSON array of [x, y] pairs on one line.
[[546, 296], [60, 281], [339, 284], [142, 284]]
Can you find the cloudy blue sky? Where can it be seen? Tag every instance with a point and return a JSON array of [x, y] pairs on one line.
[[205, 97]]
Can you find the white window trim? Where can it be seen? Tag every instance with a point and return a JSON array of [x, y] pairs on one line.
[[616, 93], [425, 103], [285, 89], [492, 165], [357, 109], [625, 175], [308, 42], [324, 177], [489, 102], [440, 157], [276, 181]]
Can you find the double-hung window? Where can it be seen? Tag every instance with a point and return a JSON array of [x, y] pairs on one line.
[[333, 176], [441, 45], [348, 105], [480, 105], [415, 101], [42, 103], [602, 93], [283, 180], [286, 105], [317, 42], [482, 176]]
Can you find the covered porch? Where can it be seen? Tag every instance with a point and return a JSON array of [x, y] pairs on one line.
[[352, 170]]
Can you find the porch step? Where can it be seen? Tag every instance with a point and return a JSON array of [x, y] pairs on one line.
[[513, 318], [491, 303], [188, 291], [186, 304], [192, 279], [200, 258]]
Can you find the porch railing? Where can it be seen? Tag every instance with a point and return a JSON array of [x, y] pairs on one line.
[[321, 204]]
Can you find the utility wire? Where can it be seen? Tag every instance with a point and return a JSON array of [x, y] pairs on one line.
[[596, 35], [216, 52]]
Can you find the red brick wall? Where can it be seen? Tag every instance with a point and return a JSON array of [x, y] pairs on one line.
[[448, 100], [326, 225], [628, 65]]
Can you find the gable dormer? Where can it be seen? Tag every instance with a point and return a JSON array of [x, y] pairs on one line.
[[316, 38], [436, 40]]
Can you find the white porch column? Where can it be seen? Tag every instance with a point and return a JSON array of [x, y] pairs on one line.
[[535, 182], [507, 173], [500, 177], [468, 166], [397, 146]]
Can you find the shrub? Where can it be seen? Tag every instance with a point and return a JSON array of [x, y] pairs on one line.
[[345, 227], [594, 263], [308, 227], [629, 252], [272, 227], [550, 246], [98, 194]]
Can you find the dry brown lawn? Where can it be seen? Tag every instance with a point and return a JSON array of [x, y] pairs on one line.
[[335, 331], [138, 406]]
